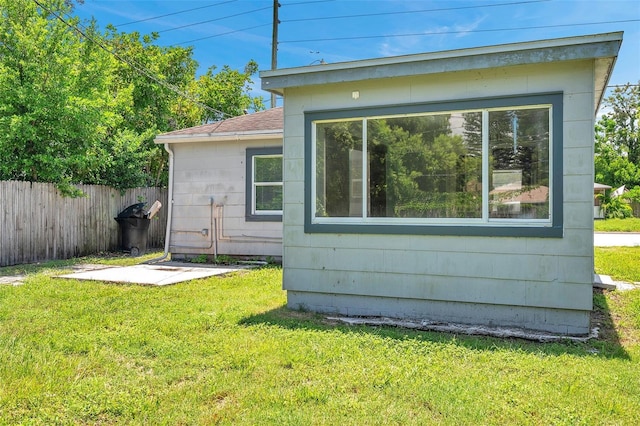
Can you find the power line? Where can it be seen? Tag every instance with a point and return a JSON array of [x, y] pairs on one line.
[[214, 5], [458, 31], [175, 13], [331, 17], [221, 34], [363, 15], [213, 20], [141, 70], [308, 2]]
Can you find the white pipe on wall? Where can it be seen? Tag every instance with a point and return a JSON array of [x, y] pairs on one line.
[[212, 233], [167, 236]]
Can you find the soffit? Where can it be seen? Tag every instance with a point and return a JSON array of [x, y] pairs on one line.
[[603, 48]]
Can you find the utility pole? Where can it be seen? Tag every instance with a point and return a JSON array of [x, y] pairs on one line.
[[274, 45]]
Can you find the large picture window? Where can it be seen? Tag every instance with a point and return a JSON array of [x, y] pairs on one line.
[[264, 184], [454, 168]]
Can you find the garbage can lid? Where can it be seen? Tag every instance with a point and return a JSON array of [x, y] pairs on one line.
[[134, 210]]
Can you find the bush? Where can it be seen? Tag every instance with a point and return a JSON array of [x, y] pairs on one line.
[[615, 208]]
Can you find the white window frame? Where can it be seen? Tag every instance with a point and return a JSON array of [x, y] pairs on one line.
[[255, 185], [447, 226], [251, 213]]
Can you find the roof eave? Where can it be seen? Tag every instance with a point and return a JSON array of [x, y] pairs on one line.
[[600, 47], [219, 137]]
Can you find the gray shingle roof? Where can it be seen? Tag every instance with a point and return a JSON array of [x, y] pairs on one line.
[[270, 121]]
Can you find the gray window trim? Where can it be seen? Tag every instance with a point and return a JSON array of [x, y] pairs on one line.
[[250, 153], [496, 230]]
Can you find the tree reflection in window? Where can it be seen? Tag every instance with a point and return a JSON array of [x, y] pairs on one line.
[[430, 166]]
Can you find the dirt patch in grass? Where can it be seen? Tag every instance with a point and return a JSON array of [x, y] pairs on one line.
[[617, 324], [614, 326], [603, 320]]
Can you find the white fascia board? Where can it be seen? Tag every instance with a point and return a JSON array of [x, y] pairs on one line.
[[598, 46], [218, 137]]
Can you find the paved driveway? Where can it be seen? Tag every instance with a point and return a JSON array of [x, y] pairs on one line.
[[610, 239]]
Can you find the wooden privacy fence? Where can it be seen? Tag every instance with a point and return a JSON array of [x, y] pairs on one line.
[[37, 223]]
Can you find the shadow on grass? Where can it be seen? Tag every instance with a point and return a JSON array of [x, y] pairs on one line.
[[606, 345], [602, 317]]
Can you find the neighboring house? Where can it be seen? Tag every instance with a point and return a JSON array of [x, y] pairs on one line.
[[226, 187], [599, 191], [452, 186]]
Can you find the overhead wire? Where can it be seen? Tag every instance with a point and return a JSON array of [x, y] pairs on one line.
[[427, 33], [175, 13], [308, 2], [331, 17], [364, 15], [145, 72], [221, 34], [214, 20], [139, 69]]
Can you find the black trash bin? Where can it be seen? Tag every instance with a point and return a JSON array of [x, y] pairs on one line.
[[134, 227]]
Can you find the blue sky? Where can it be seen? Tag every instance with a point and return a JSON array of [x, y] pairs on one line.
[[232, 32]]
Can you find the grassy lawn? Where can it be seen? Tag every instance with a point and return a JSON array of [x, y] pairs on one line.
[[224, 350], [622, 263], [631, 224]]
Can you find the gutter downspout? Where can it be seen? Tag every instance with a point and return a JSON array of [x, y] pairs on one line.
[[167, 236]]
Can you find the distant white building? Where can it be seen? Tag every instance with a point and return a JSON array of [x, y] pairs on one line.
[[599, 191], [453, 186]]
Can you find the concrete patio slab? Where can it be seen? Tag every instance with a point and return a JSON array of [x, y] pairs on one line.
[[12, 279], [603, 281], [607, 283], [151, 274]]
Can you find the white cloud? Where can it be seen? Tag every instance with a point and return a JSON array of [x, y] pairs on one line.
[[465, 29]]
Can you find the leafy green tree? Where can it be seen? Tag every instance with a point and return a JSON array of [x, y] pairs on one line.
[[614, 207], [144, 82], [416, 168], [151, 75], [78, 106], [52, 95], [617, 147], [336, 142], [227, 91], [613, 168]]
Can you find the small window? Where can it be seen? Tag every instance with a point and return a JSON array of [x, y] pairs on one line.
[[264, 184]]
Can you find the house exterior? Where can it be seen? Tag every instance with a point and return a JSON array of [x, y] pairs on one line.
[[599, 190], [452, 186], [226, 187]]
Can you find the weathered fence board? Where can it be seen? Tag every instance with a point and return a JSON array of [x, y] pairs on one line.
[[38, 224]]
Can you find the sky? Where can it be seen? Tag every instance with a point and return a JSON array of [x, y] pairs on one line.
[[233, 32]]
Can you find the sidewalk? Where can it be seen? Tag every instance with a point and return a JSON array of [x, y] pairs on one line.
[[611, 239]]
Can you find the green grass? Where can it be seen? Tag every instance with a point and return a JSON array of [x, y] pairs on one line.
[[631, 224], [224, 350], [621, 263]]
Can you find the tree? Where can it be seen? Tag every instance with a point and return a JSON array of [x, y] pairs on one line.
[[227, 91], [614, 207], [415, 167], [52, 95], [145, 79], [151, 74], [617, 147], [78, 106]]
